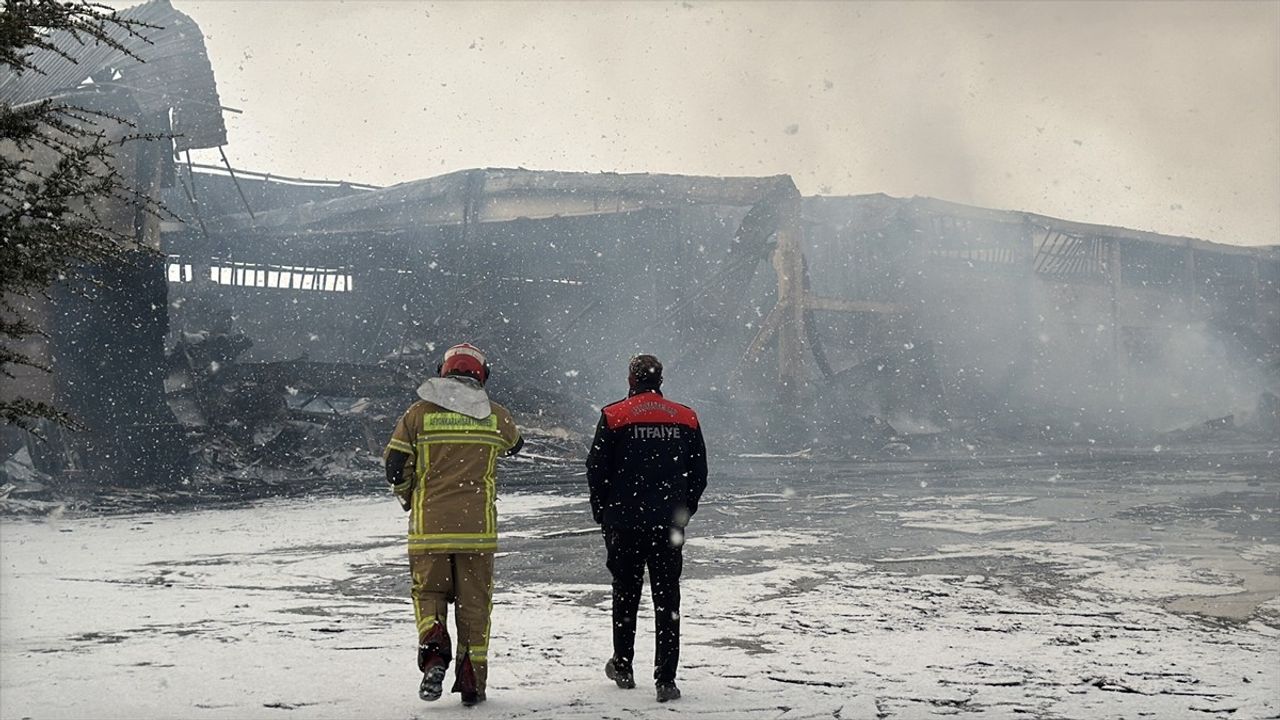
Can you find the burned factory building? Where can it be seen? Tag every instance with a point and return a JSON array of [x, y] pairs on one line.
[[302, 314], [559, 276], [860, 323]]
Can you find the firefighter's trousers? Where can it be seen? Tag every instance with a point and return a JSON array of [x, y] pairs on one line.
[[465, 579], [630, 551]]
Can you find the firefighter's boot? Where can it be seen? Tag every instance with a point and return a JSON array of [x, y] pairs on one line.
[[433, 661], [466, 684]]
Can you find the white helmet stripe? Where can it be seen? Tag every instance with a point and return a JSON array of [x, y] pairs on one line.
[[464, 350]]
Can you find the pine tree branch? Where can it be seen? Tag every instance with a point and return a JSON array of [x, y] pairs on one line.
[[59, 179]]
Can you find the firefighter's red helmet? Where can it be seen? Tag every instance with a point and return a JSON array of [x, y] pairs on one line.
[[464, 359]]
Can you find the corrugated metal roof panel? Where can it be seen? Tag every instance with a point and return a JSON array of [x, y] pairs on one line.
[[174, 71]]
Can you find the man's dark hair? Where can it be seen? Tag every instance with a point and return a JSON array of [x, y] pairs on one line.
[[645, 371]]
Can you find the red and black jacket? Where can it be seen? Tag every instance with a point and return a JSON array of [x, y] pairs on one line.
[[648, 463]]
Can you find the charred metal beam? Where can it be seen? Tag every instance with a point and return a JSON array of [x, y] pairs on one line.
[[236, 180]]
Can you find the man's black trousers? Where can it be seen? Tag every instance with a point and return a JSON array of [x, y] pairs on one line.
[[630, 551]]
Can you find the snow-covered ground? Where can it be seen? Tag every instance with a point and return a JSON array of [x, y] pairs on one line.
[[965, 605]]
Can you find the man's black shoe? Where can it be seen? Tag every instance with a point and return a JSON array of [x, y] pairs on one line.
[[622, 678], [668, 691], [432, 680]]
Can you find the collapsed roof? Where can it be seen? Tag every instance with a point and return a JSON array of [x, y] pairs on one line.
[[161, 62], [504, 194]]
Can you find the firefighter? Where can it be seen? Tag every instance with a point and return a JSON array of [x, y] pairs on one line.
[[646, 470], [441, 466]]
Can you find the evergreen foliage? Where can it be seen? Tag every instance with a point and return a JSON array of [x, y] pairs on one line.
[[57, 181]]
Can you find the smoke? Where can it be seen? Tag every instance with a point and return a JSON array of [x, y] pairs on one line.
[[1057, 369], [1157, 116], [1178, 376]]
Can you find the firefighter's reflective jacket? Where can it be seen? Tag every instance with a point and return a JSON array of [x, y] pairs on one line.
[[449, 482]]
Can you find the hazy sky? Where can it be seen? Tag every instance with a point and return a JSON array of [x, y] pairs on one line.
[[1154, 116]]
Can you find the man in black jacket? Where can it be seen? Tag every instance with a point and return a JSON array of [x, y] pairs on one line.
[[646, 470]]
